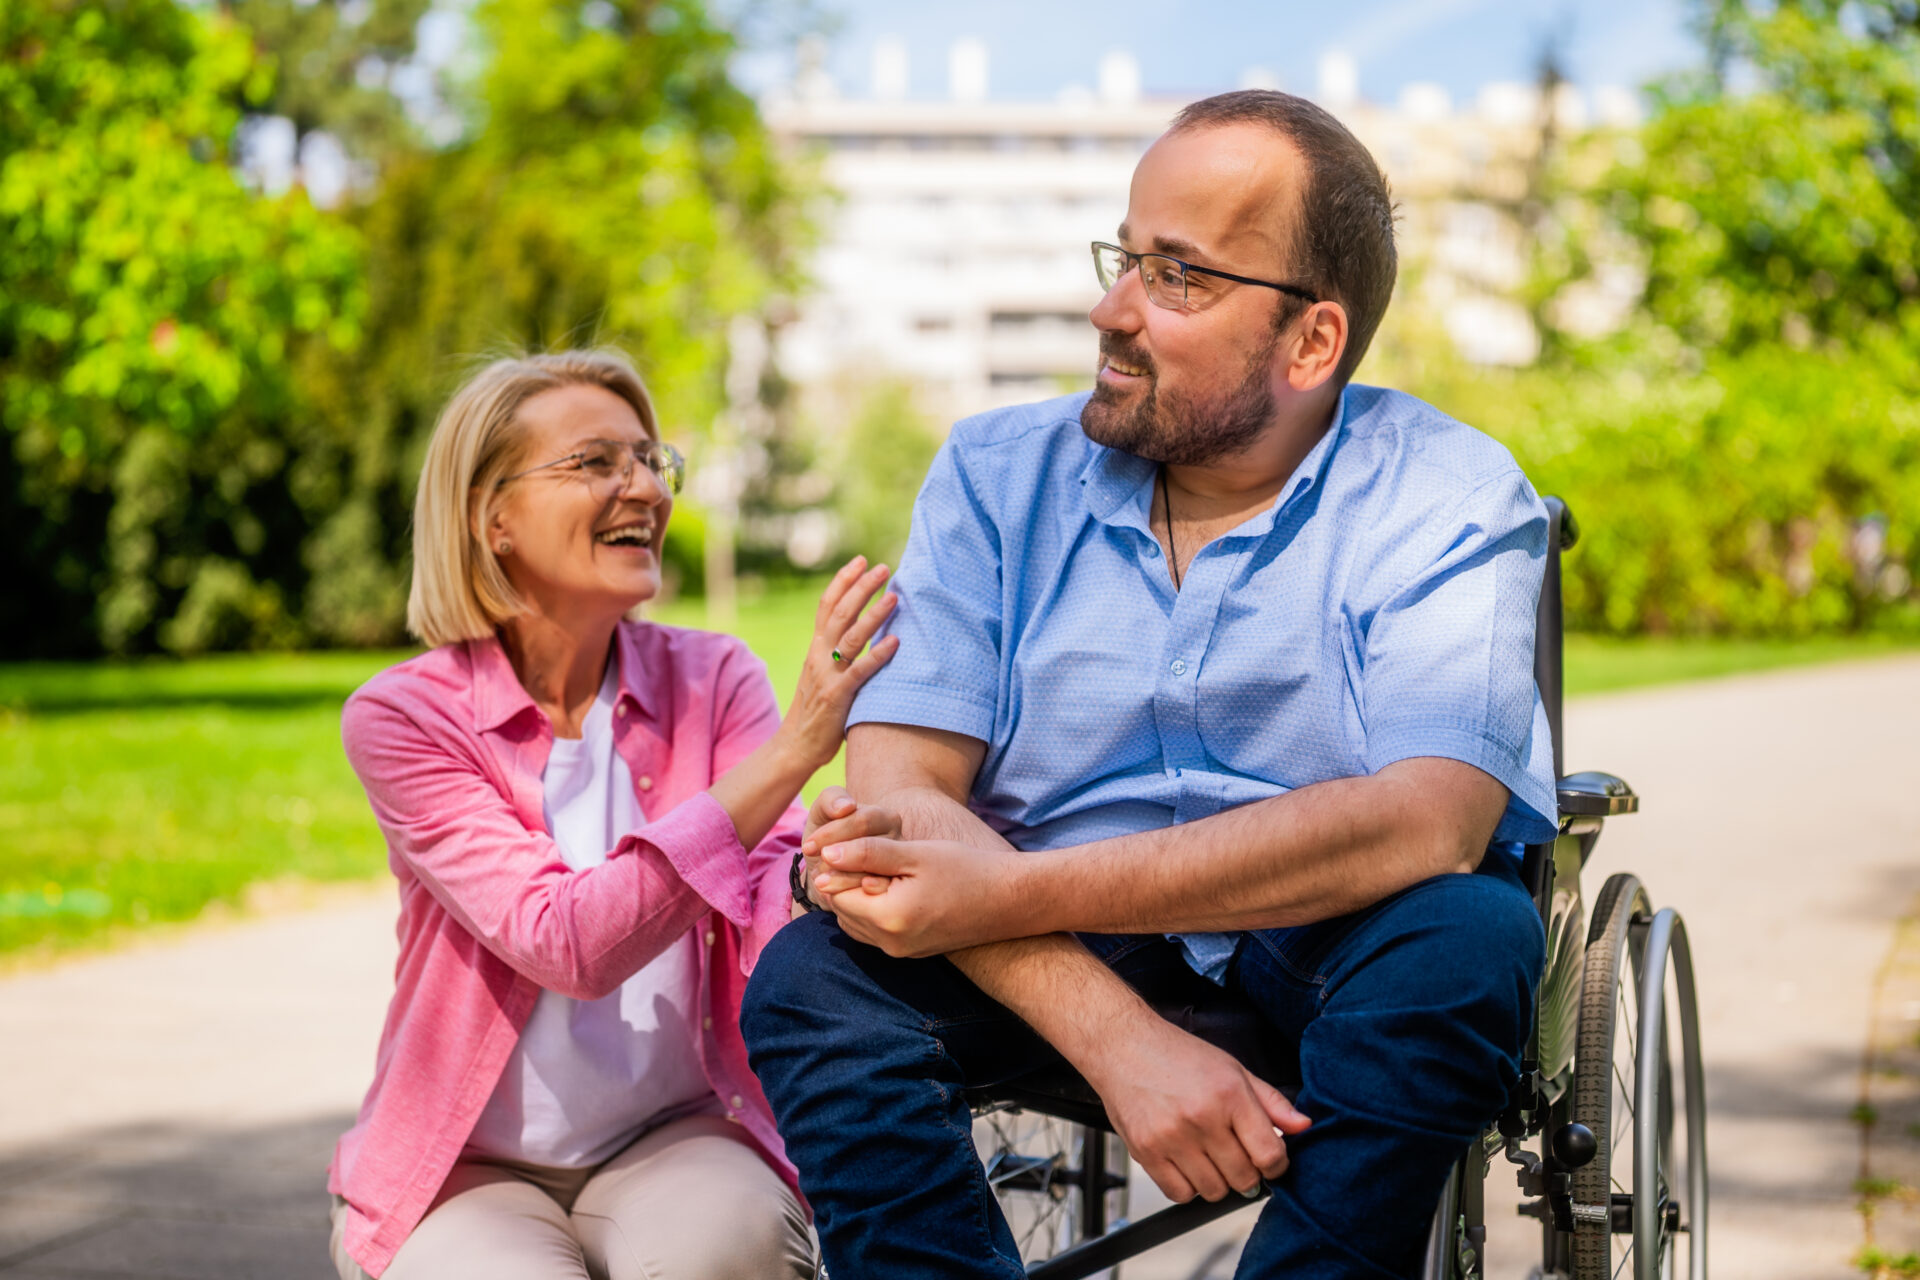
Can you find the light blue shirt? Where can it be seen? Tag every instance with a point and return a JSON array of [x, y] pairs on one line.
[[1382, 608]]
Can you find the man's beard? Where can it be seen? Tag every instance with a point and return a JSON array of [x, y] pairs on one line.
[[1171, 428]]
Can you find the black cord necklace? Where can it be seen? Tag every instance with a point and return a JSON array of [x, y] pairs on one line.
[[1166, 505]]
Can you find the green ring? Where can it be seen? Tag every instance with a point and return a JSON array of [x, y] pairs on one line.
[[837, 657]]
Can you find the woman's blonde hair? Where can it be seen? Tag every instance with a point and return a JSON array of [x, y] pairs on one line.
[[460, 592]]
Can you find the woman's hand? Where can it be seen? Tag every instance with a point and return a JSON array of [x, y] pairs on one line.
[[836, 667], [834, 818]]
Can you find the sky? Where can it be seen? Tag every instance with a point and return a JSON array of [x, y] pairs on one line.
[[1038, 47]]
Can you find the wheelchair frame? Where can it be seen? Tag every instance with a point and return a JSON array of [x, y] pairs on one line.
[[1566, 1094]]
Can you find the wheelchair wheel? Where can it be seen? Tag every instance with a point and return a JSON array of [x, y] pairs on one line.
[[1042, 1169], [1645, 1188]]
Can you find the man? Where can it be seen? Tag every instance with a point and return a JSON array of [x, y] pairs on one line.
[[1238, 658]]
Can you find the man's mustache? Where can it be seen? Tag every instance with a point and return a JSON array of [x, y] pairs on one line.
[[1125, 353]]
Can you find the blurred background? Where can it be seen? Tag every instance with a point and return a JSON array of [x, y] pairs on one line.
[[1667, 251]]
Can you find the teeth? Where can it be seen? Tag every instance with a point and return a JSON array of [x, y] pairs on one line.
[[635, 535], [1127, 369]]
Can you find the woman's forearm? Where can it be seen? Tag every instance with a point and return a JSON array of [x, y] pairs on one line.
[[758, 790]]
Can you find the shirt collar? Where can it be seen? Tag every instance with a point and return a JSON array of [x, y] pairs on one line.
[[498, 695], [1119, 485]]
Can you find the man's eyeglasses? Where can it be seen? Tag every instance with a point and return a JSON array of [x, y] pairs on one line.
[[1173, 284], [610, 463]]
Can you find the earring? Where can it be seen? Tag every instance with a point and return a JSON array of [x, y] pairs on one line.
[[505, 546]]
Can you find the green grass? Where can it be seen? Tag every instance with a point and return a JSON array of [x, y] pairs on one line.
[[141, 792], [138, 792], [1597, 664]]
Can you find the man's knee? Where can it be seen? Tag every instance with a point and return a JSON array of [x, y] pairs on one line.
[[788, 972], [814, 987], [1480, 960], [1465, 950]]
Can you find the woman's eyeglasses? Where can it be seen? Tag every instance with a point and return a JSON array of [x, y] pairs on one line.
[[611, 462]]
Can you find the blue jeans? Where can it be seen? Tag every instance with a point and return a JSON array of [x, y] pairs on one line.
[[1409, 1018]]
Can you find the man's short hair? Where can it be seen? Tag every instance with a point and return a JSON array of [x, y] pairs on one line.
[[1342, 242]]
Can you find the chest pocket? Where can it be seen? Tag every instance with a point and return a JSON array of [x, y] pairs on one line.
[[1277, 694]]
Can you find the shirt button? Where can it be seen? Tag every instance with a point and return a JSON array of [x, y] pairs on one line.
[[709, 937], [646, 782], [706, 1024], [735, 1102], [620, 709], [1179, 667]]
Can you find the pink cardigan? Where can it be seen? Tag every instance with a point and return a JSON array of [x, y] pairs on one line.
[[451, 750]]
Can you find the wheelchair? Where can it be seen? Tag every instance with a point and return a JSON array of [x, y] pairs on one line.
[[1609, 1154]]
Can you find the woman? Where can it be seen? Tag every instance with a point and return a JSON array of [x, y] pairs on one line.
[[592, 821]]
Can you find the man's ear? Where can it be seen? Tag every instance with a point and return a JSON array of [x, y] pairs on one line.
[[1320, 339]]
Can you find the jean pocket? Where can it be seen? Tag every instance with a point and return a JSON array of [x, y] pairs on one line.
[[1111, 948], [1298, 952]]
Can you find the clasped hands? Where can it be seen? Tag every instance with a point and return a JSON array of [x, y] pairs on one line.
[[910, 898]]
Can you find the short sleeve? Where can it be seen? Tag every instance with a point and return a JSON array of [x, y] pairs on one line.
[[1448, 659], [946, 673]]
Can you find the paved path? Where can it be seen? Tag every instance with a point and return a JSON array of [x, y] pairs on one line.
[[167, 1110]]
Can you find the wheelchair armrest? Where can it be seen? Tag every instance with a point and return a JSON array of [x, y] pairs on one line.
[[1596, 795]]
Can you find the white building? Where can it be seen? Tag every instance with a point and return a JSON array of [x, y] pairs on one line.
[[956, 256]]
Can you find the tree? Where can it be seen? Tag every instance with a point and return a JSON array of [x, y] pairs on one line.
[[334, 63], [614, 186], [151, 314], [1745, 452], [1780, 198]]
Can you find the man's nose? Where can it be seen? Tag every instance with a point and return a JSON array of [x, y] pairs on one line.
[[1122, 308]]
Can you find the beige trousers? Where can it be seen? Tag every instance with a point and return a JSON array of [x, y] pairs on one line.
[[691, 1200]]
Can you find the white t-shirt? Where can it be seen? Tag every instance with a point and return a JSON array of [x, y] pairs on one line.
[[588, 1076]]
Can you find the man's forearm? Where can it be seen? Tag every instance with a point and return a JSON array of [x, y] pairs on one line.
[[1054, 984], [1309, 855]]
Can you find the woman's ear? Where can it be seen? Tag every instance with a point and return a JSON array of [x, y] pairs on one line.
[[1321, 341], [494, 534]]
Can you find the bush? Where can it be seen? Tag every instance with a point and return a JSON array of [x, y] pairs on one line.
[[1777, 493]]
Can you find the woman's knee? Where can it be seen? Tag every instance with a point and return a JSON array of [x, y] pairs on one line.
[[488, 1224], [693, 1203]]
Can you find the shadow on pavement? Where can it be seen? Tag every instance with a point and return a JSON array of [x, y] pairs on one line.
[[171, 1201]]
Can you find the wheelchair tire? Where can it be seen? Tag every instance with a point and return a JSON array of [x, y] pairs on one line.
[[1630, 1205], [1037, 1167]]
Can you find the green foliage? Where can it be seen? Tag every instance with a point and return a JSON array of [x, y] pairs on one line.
[[151, 313], [1773, 494], [1787, 212], [333, 62], [1745, 455], [214, 401], [1881, 1265], [615, 187], [882, 458]]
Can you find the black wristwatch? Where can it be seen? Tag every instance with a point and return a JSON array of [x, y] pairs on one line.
[[797, 881]]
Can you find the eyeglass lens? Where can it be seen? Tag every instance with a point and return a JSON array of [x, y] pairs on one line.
[[610, 458], [1163, 278]]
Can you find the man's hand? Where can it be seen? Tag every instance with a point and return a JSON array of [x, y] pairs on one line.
[[923, 897], [835, 817], [1197, 1121]]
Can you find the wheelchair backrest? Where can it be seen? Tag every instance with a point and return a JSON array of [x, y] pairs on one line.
[[1548, 631]]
